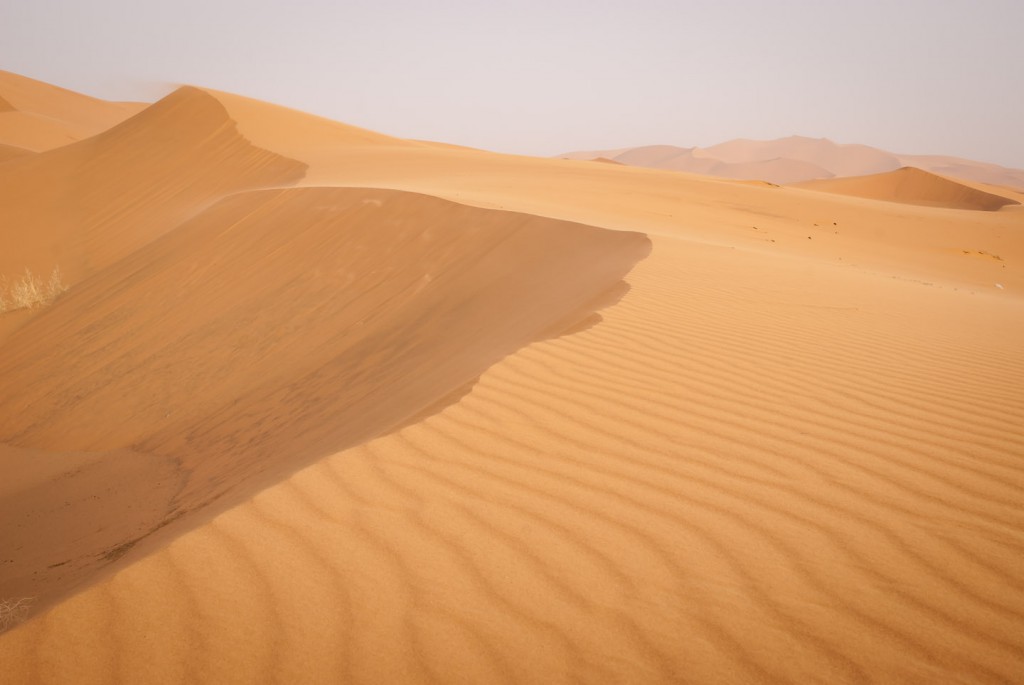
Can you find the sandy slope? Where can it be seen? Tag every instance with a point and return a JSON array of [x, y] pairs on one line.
[[10, 152], [913, 186], [292, 324], [36, 116], [925, 243], [84, 206], [790, 453], [734, 477]]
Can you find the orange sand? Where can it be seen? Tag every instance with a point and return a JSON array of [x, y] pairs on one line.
[[322, 405]]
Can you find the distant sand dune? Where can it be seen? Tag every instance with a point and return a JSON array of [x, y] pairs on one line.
[[778, 171], [797, 159], [913, 186], [836, 159]]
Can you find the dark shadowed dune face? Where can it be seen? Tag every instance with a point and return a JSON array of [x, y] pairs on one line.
[[272, 329]]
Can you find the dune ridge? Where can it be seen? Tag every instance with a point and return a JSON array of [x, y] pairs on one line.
[[86, 205], [349, 278], [38, 116], [296, 133]]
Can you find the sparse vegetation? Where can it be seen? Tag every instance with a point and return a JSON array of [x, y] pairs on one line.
[[29, 291], [14, 611]]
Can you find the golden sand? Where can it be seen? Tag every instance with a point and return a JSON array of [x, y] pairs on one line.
[[321, 405]]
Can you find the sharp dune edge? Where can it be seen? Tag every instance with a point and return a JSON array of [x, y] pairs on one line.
[[322, 405]]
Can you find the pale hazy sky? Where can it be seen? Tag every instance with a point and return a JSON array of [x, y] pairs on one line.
[[547, 76]]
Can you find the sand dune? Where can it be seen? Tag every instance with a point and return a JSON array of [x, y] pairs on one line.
[[798, 158], [693, 160], [991, 174], [213, 399], [297, 133], [779, 171], [37, 116], [913, 186], [598, 496], [327, 431], [836, 159], [84, 206], [664, 157]]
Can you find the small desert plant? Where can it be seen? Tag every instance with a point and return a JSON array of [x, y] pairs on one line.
[[29, 291], [56, 285], [14, 611]]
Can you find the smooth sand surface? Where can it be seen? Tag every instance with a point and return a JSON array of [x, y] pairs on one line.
[[419, 413]]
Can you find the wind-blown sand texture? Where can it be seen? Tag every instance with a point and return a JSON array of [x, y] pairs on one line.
[[322, 405]]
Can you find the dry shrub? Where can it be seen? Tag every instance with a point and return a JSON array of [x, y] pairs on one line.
[[14, 611], [29, 292]]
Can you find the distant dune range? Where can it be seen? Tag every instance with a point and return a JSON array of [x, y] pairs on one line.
[[324, 405], [796, 159]]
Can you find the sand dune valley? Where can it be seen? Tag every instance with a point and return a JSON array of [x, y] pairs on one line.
[[284, 400]]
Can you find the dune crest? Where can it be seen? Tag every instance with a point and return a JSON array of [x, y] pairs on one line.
[[86, 205], [292, 324], [38, 116], [294, 133]]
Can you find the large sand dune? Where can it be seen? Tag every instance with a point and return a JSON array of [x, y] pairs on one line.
[[291, 324], [327, 431]]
